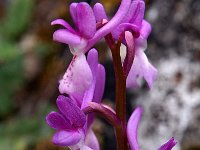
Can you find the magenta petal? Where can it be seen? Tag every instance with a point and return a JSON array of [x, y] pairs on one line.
[[145, 30], [72, 9], [141, 68], [133, 12], [100, 84], [71, 111], [86, 20], [91, 140], [66, 138], [111, 25], [130, 52], [130, 27], [132, 128], [63, 23], [57, 121], [99, 90], [78, 77], [67, 37], [92, 60], [138, 15], [169, 145], [99, 12]]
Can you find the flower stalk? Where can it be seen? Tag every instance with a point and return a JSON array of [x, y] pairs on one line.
[[120, 92]]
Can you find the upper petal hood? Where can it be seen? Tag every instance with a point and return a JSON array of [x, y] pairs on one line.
[[57, 121], [71, 111], [86, 20], [99, 12]]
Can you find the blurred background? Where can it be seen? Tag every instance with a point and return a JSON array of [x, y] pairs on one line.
[[31, 65]]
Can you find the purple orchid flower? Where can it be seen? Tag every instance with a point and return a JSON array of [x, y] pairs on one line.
[[84, 82], [81, 39], [136, 31], [132, 132], [70, 125]]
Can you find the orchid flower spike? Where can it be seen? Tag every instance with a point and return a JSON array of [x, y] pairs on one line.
[[69, 123], [132, 127], [85, 36]]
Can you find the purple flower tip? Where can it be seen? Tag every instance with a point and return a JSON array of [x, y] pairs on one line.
[[169, 145]]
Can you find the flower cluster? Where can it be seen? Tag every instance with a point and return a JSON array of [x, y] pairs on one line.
[[84, 79]]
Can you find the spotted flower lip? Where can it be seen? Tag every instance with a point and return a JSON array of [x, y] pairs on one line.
[[84, 79], [132, 128], [86, 35]]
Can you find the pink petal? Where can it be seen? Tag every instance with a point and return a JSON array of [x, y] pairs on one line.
[[71, 111], [66, 138], [91, 140], [138, 15], [111, 25], [169, 145], [129, 27], [145, 30], [132, 128], [99, 12], [78, 77], [57, 121], [86, 20], [141, 68], [126, 27], [92, 60], [67, 37], [100, 84], [130, 52], [63, 23], [134, 12], [73, 12], [99, 90]]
